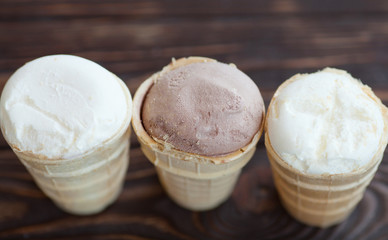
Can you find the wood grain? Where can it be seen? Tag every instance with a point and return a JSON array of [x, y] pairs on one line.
[[269, 40], [143, 211]]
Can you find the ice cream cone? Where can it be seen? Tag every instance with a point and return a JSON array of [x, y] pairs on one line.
[[68, 121], [326, 199], [193, 181], [85, 184]]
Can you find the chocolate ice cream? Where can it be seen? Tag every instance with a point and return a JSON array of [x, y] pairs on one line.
[[206, 108]]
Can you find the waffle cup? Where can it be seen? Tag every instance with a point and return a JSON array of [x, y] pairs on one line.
[[327, 199], [88, 183], [193, 181]]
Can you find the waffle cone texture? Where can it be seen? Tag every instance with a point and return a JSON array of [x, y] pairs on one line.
[[327, 199], [193, 181]]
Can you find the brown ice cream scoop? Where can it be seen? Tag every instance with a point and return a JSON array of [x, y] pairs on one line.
[[207, 108]]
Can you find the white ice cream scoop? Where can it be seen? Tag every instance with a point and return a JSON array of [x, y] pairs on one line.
[[61, 106], [325, 123]]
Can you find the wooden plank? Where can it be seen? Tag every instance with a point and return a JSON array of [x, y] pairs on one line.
[[264, 47], [24, 9], [144, 211]]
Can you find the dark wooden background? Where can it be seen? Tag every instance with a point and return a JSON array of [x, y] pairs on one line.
[[269, 40]]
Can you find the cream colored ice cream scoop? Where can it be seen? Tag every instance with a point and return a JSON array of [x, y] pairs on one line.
[[61, 106], [325, 123]]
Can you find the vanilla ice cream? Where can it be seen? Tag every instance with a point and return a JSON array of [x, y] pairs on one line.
[[208, 108], [68, 121], [325, 123], [62, 106]]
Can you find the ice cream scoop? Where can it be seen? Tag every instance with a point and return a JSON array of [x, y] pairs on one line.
[[61, 106], [207, 108], [325, 122]]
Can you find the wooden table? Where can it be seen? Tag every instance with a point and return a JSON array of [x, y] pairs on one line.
[[269, 40]]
